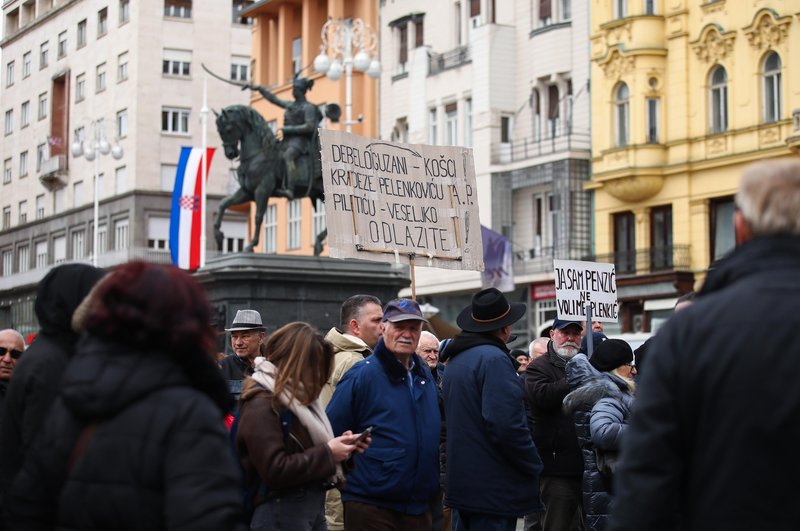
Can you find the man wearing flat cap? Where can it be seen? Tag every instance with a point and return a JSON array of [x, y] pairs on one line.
[[493, 467], [247, 334], [554, 431], [393, 392]]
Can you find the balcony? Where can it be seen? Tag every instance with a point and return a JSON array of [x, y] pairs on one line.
[[528, 148], [53, 173], [439, 62], [540, 260], [647, 261], [794, 141]]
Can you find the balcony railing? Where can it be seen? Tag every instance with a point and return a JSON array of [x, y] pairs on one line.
[[643, 261], [52, 173], [540, 260], [439, 62], [527, 148]]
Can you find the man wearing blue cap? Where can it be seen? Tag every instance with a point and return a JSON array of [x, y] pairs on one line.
[[553, 431]]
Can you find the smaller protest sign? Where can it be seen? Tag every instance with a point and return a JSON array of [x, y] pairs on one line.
[[581, 283]]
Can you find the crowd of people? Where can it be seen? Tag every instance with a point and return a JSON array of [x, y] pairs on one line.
[[121, 416]]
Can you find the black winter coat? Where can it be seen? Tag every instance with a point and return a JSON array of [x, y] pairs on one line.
[[714, 437], [158, 458], [553, 430]]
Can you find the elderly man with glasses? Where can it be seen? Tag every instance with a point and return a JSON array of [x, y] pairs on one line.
[[12, 345]]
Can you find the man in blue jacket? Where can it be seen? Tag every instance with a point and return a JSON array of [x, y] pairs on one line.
[[493, 467], [393, 392]]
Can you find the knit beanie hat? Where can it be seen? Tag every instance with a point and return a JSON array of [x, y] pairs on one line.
[[597, 338], [610, 354]]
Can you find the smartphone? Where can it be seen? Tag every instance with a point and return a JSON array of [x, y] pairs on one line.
[[364, 434]]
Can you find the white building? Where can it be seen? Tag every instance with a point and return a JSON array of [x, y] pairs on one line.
[[131, 72], [511, 80]]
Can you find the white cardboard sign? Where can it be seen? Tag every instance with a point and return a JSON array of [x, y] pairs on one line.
[[580, 282]]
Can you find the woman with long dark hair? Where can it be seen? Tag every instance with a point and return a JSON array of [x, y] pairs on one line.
[[135, 439], [284, 439]]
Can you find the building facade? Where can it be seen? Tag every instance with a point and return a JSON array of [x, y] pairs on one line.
[[510, 80], [124, 72], [685, 94]]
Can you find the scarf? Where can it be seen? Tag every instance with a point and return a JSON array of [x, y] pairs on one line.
[[312, 417]]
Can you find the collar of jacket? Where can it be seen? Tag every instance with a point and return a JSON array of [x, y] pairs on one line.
[[392, 366], [247, 370], [467, 340]]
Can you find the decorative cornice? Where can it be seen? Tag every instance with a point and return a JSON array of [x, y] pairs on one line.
[[714, 44], [616, 64], [768, 30]]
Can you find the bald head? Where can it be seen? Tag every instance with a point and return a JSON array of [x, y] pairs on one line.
[[428, 349], [538, 347], [12, 345]]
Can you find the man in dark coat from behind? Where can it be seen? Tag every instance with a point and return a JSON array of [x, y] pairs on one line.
[[38, 373], [493, 467], [714, 437]]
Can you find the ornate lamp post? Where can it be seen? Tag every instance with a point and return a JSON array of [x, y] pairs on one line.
[[339, 38], [91, 151]]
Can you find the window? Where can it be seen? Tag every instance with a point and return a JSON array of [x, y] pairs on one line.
[[505, 129], [124, 11], [621, 115], [474, 8], [9, 121], [81, 37], [168, 172], [122, 67], [545, 12], [102, 22], [293, 223], [566, 10], [120, 180], [772, 88], [59, 200], [451, 124], [41, 255], [719, 100], [42, 106], [297, 55], [317, 220], [101, 239], [7, 170], [80, 87], [175, 121], [23, 212], [78, 244], [40, 206], [235, 235], [27, 59], [536, 110], [722, 236], [122, 123], [9, 73], [43, 57], [41, 155], [468, 125], [237, 7], [419, 33], [23, 259], [661, 238], [23, 164], [178, 8], [62, 44], [77, 194], [158, 233], [121, 235], [239, 67], [100, 78], [8, 263], [620, 8], [176, 63], [625, 242], [6, 217], [402, 57], [553, 111], [25, 114], [59, 249], [271, 230], [432, 132], [652, 120], [649, 7]]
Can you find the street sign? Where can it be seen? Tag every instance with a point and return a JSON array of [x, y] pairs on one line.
[[579, 283]]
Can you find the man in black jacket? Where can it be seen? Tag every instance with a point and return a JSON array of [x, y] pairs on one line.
[[554, 431], [247, 335], [713, 441]]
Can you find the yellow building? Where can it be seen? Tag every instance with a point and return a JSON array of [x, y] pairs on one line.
[[685, 94], [286, 39]]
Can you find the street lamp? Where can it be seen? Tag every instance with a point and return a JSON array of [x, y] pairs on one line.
[[91, 151], [339, 37]]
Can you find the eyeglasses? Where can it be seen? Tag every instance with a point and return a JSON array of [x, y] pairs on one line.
[[15, 354]]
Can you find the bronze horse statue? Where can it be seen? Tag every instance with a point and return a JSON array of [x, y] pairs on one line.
[[262, 170]]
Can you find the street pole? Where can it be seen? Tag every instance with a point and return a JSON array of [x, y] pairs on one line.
[[348, 73], [204, 172], [96, 195]]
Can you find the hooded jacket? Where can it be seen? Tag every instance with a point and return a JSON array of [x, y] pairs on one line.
[[38, 372], [349, 351], [713, 439], [157, 454], [493, 466], [400, 469]]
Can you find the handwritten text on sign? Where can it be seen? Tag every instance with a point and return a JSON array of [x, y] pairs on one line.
[[579, 283], [386, 200]]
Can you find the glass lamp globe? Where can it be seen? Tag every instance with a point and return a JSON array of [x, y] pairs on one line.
[[77, 148], [335, 71], [117, 152], [104, 147], [374, 70], [322, 63], [361, 61], [89, 154]]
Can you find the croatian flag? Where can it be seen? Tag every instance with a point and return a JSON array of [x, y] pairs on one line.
[[185, 221]]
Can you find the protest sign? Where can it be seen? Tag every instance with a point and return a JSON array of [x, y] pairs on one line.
[[392, 202], [579, 283]]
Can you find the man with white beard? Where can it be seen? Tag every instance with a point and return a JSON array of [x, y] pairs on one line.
[[554, 432]]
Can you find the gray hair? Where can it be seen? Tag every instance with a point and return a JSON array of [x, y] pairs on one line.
[[769, 197], [537, 341], [20, 336], [429, 335]]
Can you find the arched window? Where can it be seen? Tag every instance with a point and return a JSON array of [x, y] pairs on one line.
[[537, 115], [772, 87], [621, 115], [719, 100]]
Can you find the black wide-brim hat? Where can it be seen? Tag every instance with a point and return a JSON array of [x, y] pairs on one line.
[[489, 311]]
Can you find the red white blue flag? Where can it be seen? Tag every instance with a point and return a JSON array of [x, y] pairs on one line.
[[185, 220]]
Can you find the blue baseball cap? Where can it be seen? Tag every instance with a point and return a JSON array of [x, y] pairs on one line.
[[402, 310], [561, 324]]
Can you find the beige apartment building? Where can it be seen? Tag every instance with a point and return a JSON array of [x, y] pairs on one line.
[[127, 73]]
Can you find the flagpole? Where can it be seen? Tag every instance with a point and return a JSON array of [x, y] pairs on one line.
[[204, 170]]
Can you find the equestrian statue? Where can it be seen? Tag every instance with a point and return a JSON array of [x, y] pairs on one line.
[[269, 167]]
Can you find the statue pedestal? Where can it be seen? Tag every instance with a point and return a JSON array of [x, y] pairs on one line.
[[294, 288]]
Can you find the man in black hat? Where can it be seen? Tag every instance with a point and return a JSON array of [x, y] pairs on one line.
[[553, 431], [493, 468], [247, 335]]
